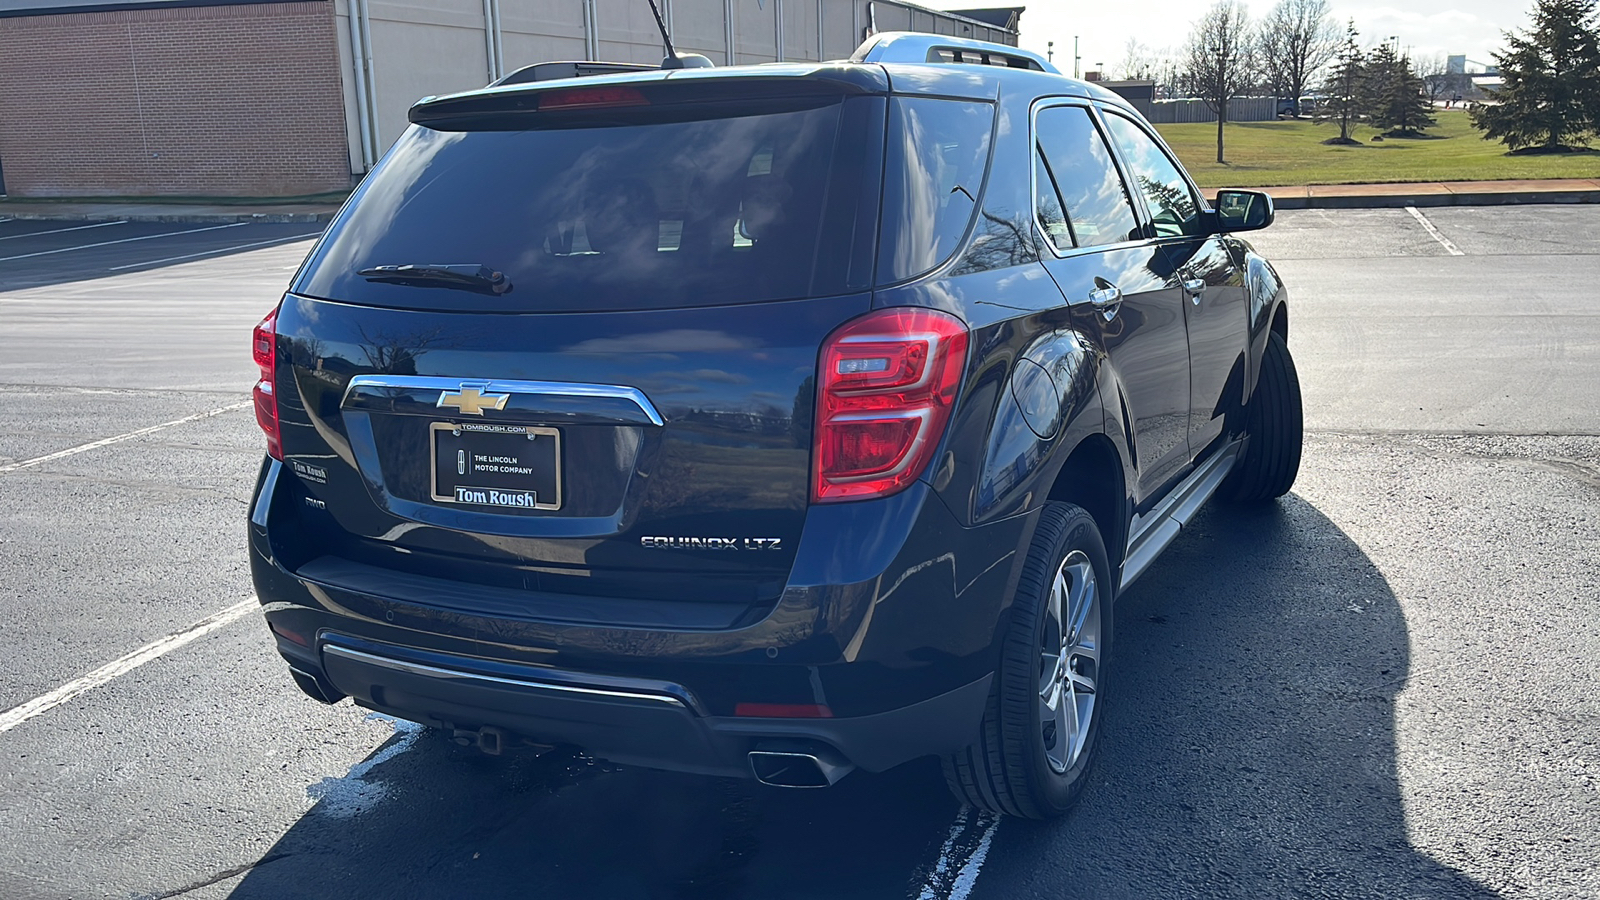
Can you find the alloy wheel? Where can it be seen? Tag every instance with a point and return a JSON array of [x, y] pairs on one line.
[[1069, 663]]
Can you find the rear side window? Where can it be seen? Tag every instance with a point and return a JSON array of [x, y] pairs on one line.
[[938, 153], [1085, 182], [631, 214], [1172, 204]]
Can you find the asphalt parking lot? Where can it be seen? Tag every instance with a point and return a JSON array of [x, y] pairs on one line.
[[1385, 686]]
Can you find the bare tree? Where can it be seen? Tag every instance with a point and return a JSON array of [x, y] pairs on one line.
[[1169, 76], [1298, 40], [1138, 63], [1220, 59], [1434, 70]]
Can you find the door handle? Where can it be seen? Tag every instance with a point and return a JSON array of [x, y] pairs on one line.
[[1102, 297], [1195, 286], [1106, 298]]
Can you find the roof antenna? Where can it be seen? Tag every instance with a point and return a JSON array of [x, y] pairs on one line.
[[673, 60]]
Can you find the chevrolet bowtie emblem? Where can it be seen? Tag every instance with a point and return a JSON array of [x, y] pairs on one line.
[[472, 401]]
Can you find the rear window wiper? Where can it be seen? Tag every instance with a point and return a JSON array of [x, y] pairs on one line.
[[469, 276]]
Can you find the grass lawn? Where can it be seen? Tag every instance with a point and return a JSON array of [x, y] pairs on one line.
[[1263, 154]]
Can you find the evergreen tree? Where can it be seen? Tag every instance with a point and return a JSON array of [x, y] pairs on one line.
[[1393, 97], [1550, 92], [1413, 109], [1342, 90]]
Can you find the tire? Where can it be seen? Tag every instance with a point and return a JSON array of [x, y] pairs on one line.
[[1024, 762], [1275, 428]]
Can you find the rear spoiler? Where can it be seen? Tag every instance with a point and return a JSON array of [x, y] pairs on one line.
[[641, 87]]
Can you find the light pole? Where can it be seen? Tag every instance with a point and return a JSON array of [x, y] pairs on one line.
[[1050, 51], [1075, 58]]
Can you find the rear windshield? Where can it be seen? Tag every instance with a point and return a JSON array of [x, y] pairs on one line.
[[699, 212]]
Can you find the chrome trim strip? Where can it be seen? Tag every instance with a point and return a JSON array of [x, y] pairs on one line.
[[412, 668], [1153, 531], [547, 388]]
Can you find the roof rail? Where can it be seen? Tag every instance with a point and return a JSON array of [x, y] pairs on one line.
[[550, 71], [918, 47]]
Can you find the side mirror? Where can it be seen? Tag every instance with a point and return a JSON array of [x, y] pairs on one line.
[[1244, 210]]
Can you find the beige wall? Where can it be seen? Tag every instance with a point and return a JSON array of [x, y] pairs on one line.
[[430, 47], [700, 26], [539, 32]]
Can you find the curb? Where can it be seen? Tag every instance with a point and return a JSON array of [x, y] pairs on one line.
[[1465, 198]]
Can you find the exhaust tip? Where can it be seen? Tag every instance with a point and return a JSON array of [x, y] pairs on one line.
[[798, 768]]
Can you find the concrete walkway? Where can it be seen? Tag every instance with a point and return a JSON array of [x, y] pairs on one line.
[[1318, 196]]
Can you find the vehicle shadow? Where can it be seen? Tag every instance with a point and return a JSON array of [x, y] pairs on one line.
[[1249, 752], [433, 820], [1250, 746]]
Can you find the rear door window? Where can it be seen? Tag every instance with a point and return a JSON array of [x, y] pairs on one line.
[[698, 210], [938, 154], [1090, 196]]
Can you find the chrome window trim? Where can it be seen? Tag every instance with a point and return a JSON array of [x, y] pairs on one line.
[[547, 388]]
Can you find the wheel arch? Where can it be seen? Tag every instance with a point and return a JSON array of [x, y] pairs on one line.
[[1269, 312], [1092, 478]]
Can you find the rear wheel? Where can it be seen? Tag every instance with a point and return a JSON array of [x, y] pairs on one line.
[[1041, 726], [1275, 427]]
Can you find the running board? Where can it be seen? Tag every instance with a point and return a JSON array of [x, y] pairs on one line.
[[1153, 531]]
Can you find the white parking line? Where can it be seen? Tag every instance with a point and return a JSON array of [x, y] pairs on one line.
[[961, 857], [147, 237], [154, 262], [12, 237], [16, 715], [117, 439], [1434, 232], [352, 794]]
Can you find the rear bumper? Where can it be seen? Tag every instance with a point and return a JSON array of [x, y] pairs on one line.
[[889, 619], [633, 721]]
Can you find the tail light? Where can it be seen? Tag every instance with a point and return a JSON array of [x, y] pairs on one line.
[[885, 387], [264, 345]]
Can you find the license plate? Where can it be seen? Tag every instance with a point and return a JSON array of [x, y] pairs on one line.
[[494, 465]]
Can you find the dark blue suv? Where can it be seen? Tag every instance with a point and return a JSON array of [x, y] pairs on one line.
[[767, 421]]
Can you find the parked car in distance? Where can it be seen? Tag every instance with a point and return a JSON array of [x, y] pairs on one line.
[[765, 421]]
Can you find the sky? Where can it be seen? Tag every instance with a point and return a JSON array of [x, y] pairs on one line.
[[1424, 27]]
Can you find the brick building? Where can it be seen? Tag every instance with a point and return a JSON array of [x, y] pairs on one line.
[[283, 98]]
